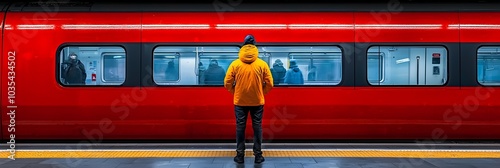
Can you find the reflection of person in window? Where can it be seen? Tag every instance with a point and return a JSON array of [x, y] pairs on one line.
[[311, 76], [111, 76], [171, 73], [294, 75], [215, 74]]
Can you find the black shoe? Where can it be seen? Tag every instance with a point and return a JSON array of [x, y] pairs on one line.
[[239, 158], [259, 159]]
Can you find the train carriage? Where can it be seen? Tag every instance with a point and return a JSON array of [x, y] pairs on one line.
[[422, 71]]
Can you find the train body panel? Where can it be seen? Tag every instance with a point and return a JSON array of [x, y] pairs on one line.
[[372, 27], [42, 101], [270, 27], [475, 30], [139, 109]]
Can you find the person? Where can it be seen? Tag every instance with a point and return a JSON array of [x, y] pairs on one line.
[[294, 75], [171, 74], [201, 73], [278, 72], [74, 71], [248, 79], [214, 75], [311, 76]]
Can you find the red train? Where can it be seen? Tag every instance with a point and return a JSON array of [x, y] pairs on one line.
[[389, 71]]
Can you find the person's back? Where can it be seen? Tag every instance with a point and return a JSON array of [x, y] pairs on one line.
[[215, 74], [250, 74], [294, 74], [278, 72], [249, 79]]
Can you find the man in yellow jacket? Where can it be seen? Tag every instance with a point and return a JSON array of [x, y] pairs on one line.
[[248, 79]]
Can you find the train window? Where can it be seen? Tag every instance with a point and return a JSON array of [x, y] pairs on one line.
[[113, 68], [84, 65], [407, 65], [192, 65], [304, 65], [488, 66], [166, 66], [207, 65]]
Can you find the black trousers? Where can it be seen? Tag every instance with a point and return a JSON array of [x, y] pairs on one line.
[[241, 113]]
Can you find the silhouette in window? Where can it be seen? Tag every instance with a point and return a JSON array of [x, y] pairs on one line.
[[171, 73], [215, 74], [278, 72], [294, 74], [201, 73], [311, 76]]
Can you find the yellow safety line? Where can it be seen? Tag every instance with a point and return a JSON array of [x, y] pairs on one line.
[[268, 153]]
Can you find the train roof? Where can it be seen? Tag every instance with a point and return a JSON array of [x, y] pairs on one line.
[[196, 6]]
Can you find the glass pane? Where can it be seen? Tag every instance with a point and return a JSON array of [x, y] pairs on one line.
[[375, 66], [114, 67], [305, 65], [488, 66], [407, 65], [92, 65], [192, 65], [166, 67]]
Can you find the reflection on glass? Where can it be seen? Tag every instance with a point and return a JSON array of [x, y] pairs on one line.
[[488, 66], [207, 65], [166, 67], [114, 68]]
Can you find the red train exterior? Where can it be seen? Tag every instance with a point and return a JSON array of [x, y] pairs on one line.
[[47, 110]]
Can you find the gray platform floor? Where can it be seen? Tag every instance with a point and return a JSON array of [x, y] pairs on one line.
[[271, 162], [232, 146], [274, 162]]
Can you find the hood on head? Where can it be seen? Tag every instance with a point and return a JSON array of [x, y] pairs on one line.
[[293, 63], [294, 66], [278, 63], [248, 53], [249, 39], [213, 64]]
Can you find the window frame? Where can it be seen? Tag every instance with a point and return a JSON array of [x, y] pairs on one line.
[[102, 67], [259, 45], [321, 83], [64, 45], [446, 83], [178, 55], [475, 69], [173, 84]]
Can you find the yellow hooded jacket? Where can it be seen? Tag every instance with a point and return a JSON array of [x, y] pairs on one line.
[[248, 78]]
